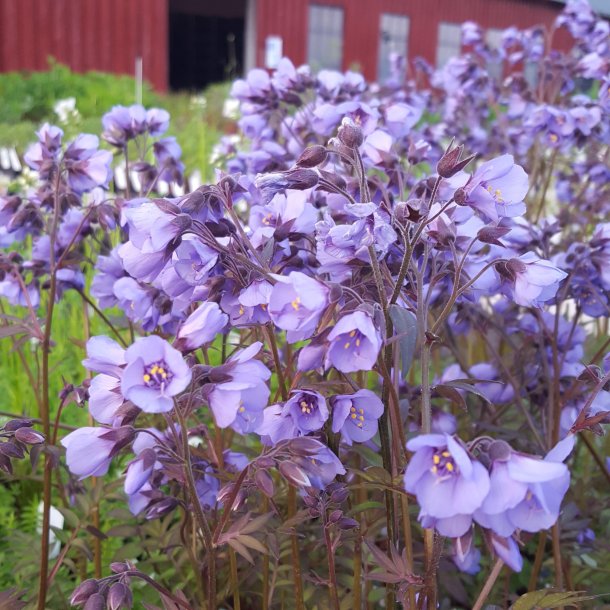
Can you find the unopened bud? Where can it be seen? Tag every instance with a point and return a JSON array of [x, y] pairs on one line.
[[301, 179], [451, 162], [29, 436], [95, 602], [312, 156], [350, 134], [84, 591], [119, 597]]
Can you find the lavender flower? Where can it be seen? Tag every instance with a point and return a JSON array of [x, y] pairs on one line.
[[356, 415], [155, 372], [354, 343], [449, 485], [202, 326], [296, 304], [241, 393], [497, 188]]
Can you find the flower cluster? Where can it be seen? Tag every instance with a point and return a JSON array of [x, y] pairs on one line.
[[355, 290]]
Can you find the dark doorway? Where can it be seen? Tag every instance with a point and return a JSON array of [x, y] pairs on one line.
[[206, 42]]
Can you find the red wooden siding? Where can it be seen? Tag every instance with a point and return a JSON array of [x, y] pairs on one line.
[[104, 35], [288, 19], [108, 35]]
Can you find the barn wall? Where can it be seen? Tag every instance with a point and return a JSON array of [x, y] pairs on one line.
[[288, 19], [104, 35]]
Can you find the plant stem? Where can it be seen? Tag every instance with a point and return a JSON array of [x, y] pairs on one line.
[[234, 580], [45, 404], [488, 586], [332, 575], [200, 517], [294, 545], [537, 561]]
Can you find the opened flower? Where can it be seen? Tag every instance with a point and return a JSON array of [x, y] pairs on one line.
[[155, 372], [449, 485]]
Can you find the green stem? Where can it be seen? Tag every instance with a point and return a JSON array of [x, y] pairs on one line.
[[488, 586]]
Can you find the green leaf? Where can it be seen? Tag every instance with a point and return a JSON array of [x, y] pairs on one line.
[[71, 518], [405, 326], [548, 598]]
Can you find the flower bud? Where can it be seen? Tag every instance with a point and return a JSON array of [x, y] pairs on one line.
[[295, 475], [451, 163], [301, 179], [95, 602], [29, 436], [84, 591], [119, 597], [335, 516], [350, 134], [312, 156], [460, 196], [264, 482], [15, 424]]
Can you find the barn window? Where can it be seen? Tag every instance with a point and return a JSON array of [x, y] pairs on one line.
[[393, 43], [449, 42], [493, 38], [325, 37]]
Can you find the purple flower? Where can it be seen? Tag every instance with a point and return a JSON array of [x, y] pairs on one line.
[[356, 415], [526, 491], [122, 124], [304, 412], [154, 373], [320, 465], [354, 343], [90, 450], [193, 260], [157, 120], [242, 394], [529, 280], [449, 485], [296, 304], [153, 225], [308, 410], [87, 166], [202, 326], [497, 188], [42, 155], [104, 355]]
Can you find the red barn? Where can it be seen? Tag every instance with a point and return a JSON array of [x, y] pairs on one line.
[[186, 44]]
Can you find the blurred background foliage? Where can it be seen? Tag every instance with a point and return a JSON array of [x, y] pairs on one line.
[[28, 99]]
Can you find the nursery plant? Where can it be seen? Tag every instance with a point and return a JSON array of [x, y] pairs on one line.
[[367, 367]]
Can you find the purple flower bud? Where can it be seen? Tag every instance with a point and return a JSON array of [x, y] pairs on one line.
[[264, 482], [350, 134], [84, 591], [293, 474], [95, 602], [312, 156], [119, 597], [29, 436], [451, 162]]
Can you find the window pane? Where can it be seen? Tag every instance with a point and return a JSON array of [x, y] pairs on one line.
[[393, 41], [449, 42], [493, 38], [325, 37]]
